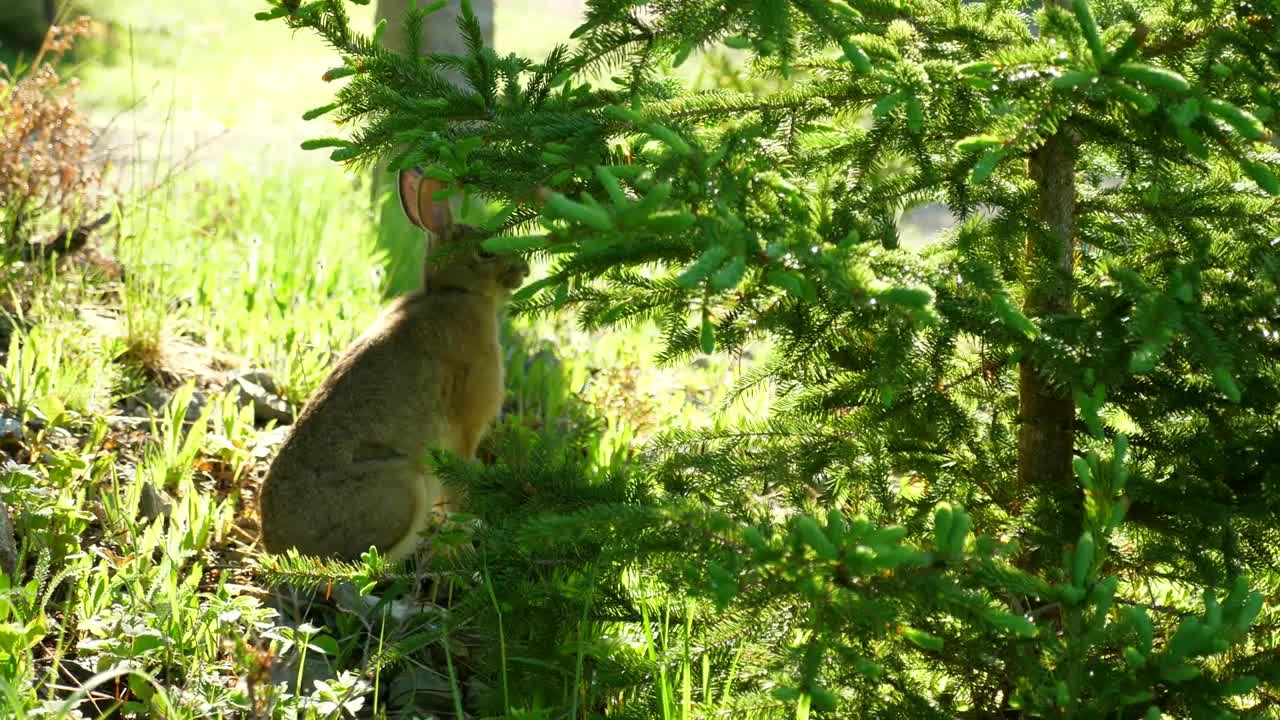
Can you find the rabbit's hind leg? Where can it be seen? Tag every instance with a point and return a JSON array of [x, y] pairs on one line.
[[384, 506], [417, 486]]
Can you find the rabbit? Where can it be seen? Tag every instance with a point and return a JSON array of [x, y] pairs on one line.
[[428, 374]]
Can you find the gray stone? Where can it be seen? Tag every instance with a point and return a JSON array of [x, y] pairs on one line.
[[258, 388], [11, 428], [156, 397], [417, 691], [153, 503]]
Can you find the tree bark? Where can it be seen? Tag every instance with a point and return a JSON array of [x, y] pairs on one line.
[[1047, 413], [400, 241], [439, 30]]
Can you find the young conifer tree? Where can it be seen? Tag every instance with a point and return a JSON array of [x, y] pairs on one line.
[[1088, 363]]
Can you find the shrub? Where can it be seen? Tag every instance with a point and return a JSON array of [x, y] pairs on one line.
[[1026, 470], [47, 174]]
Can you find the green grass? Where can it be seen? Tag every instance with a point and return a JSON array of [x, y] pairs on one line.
[[277, 268]]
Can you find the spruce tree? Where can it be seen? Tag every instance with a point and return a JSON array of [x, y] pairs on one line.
[[1029, 469]]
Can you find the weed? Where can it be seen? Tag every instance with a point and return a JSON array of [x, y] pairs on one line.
[[45, 143]]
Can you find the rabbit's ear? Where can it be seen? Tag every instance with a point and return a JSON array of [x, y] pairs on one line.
[[423, 210]]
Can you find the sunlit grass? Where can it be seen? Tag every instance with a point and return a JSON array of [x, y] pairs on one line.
[[206, 65], [207, 72], [278, 269]]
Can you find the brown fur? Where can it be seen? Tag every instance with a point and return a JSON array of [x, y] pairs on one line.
[[428, 374]]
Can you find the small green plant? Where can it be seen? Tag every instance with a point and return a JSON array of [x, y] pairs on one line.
[[53, 371], [181, 438]]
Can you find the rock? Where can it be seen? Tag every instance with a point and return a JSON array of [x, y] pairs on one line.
[[261, 378], [268, 440], [12, 433], [348, 599], [156, 397], [259, 388], [129, 421], [10, 428], [198, 400], [418, 691], [153, 503]]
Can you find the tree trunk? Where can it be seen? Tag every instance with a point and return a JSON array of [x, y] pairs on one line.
[[402, 242], [1046, 413], [439, 30], [25, 21]]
